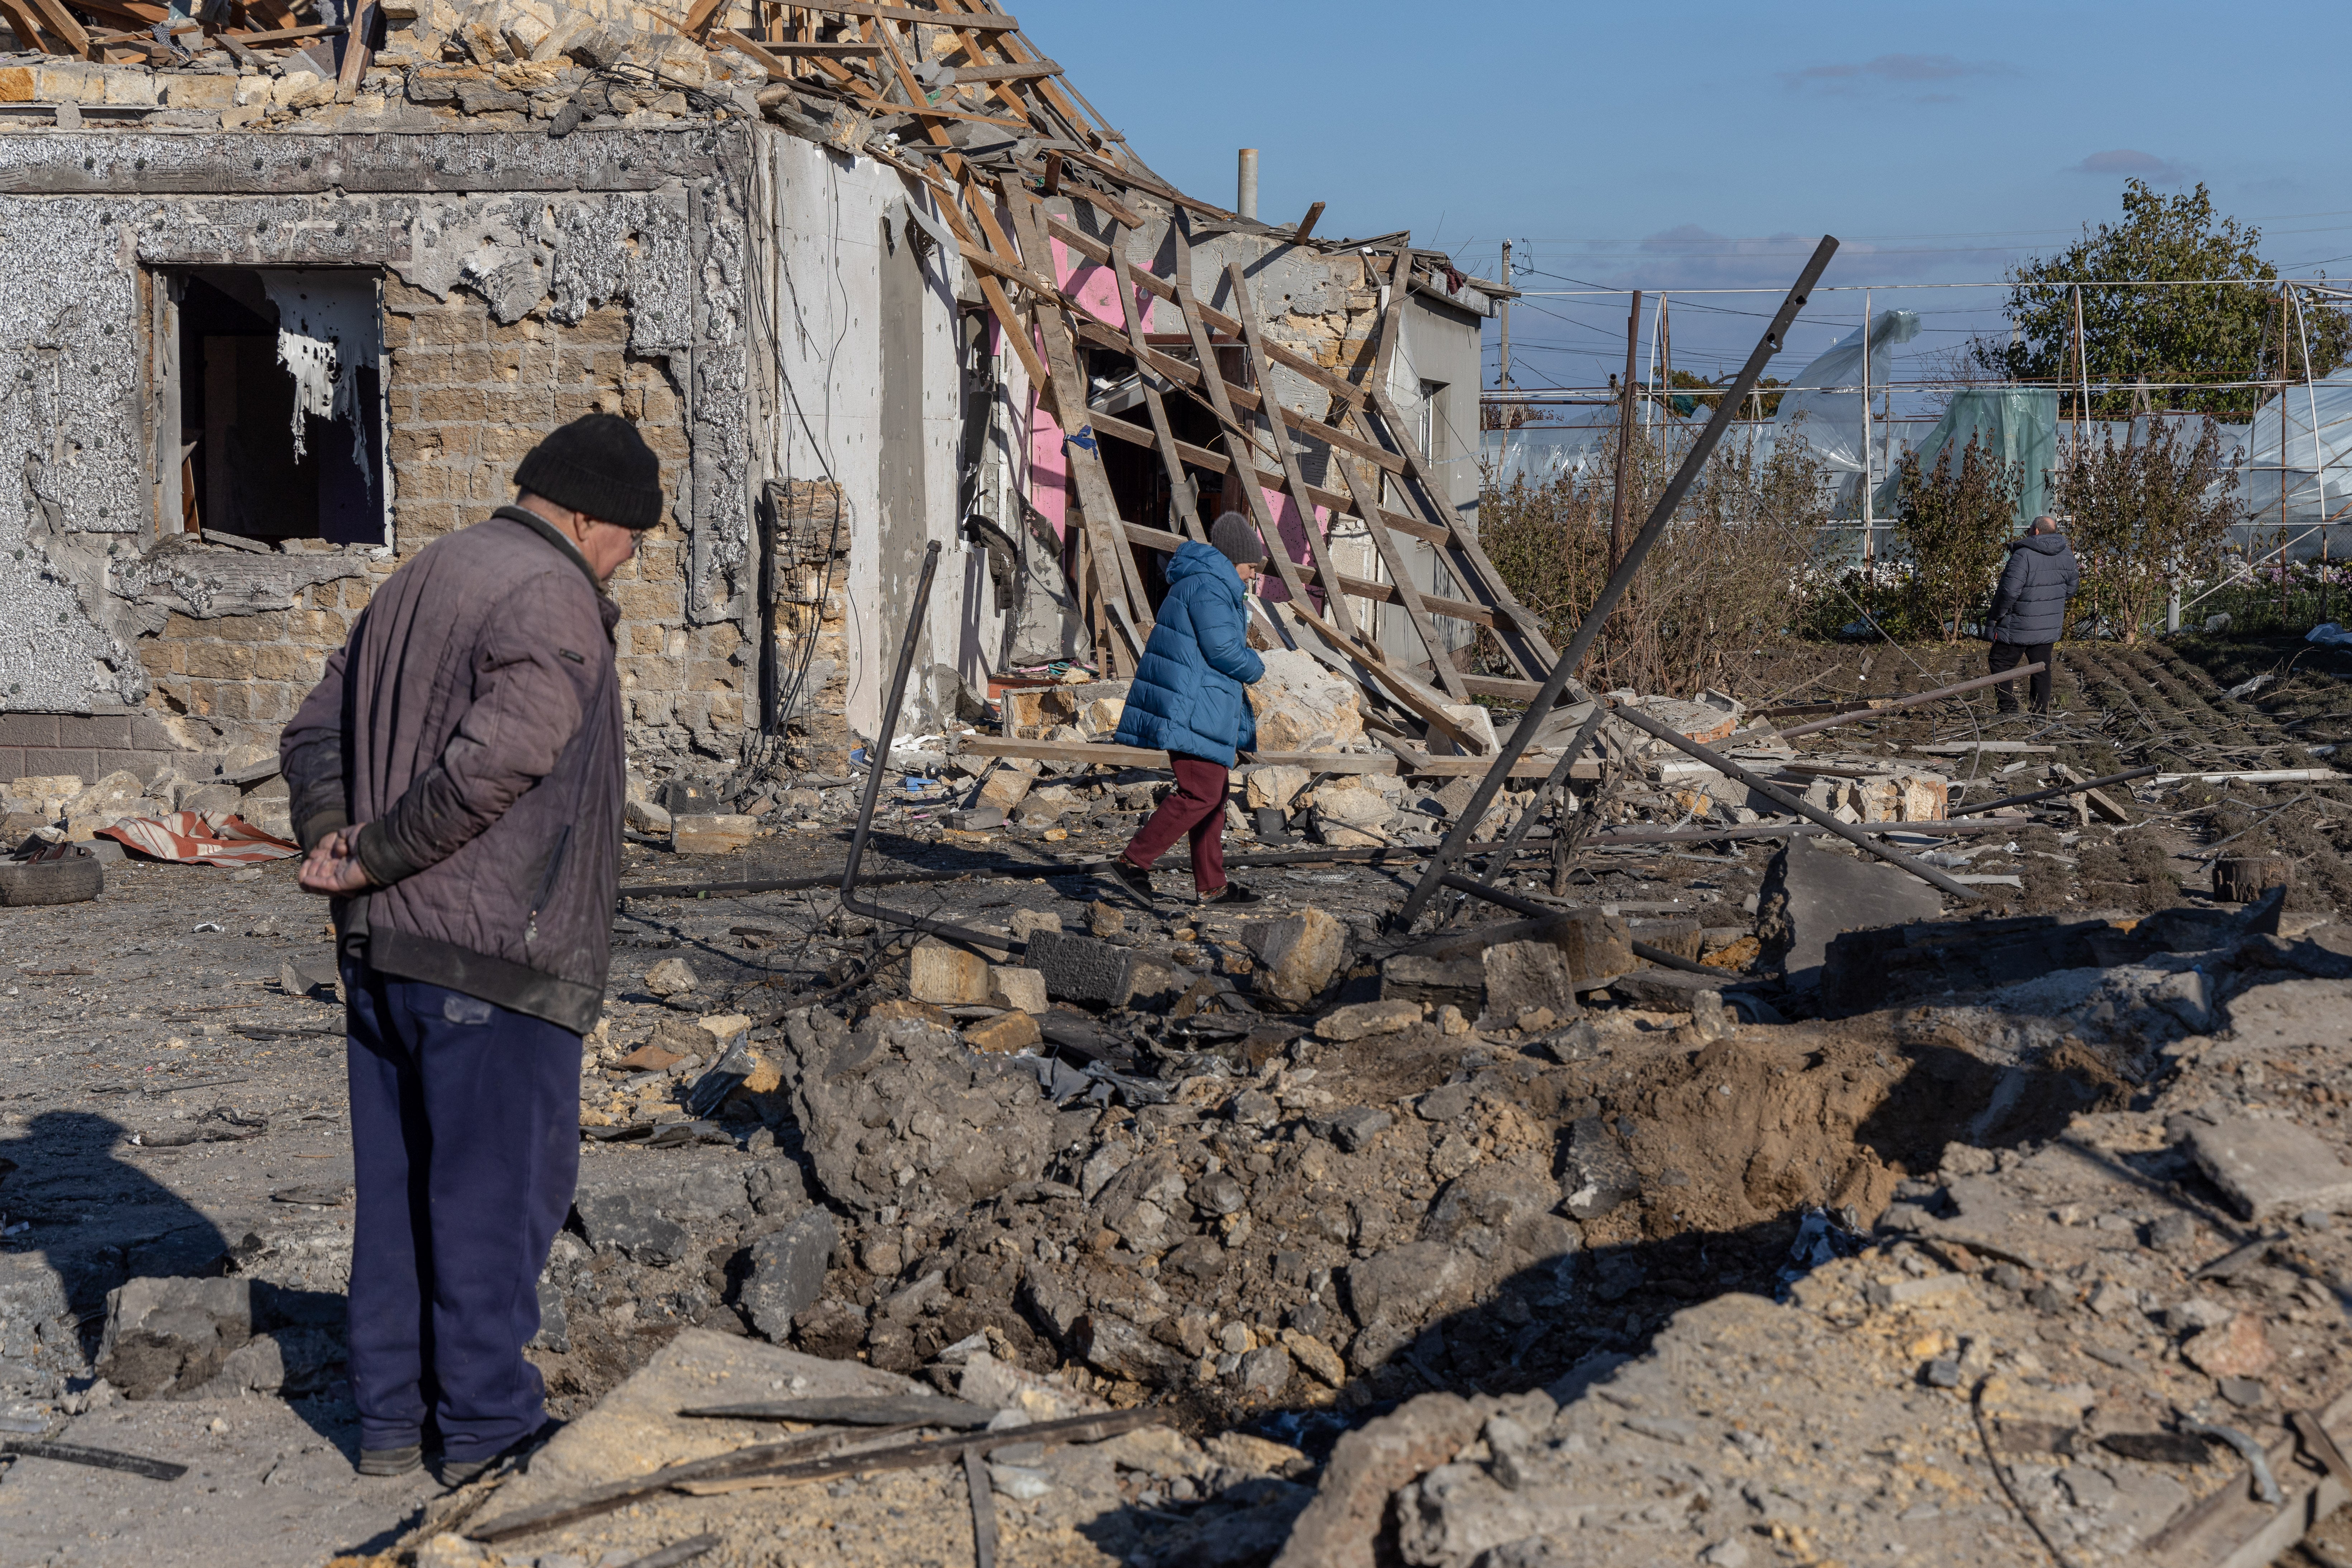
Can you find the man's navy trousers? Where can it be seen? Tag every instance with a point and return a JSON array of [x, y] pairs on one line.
[[465, 1145]]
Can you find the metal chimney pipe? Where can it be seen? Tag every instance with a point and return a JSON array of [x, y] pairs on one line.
[[1245, 184]]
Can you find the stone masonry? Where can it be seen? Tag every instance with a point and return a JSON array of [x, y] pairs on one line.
[[468, 396]]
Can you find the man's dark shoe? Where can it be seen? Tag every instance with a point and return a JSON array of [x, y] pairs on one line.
[[1134, 880], [456, 1473], [1233, 893], [391, 1461]]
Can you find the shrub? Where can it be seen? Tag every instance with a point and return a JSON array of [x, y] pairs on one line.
[[1729, 573]]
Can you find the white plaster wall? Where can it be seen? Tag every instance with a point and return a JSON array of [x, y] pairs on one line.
[[827, 233]]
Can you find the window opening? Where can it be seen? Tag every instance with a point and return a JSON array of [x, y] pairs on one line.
[[281, 395]]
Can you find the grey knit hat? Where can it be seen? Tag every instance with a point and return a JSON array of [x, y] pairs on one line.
[[1232, 537], [598, 464]]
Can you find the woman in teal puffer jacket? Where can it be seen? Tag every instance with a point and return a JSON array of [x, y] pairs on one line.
[[1187, 700]]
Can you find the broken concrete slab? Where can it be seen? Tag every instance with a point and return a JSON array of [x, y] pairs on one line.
[[1302, 707], [1083, 969], [1003, 789], [788, 1267], [1810, 894], [2269, 1169], [181, 1338], [636, 1427], [1015, 988], [1005, 1033], [1392, 1293], [1274, 787]]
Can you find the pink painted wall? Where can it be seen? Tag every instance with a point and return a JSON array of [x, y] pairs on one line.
[[1095, 288]]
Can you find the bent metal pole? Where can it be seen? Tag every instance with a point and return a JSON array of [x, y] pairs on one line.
[[1726, 409], [877, 759], [1797, 803]]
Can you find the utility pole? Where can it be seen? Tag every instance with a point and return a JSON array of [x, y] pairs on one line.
[[1868, 523], [1624, 438], [1667, 346], [1502, 312]]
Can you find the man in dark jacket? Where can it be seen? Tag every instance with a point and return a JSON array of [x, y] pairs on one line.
[[2028, 609], [1187, 701], [457, 781]]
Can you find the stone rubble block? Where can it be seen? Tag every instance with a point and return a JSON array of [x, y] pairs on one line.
[[713, 835], [1440, 982], [1526, 976], [1085, 970], [1296, 956], [1015, 988], [945, 976], [788, 1268], [1359, 1019]]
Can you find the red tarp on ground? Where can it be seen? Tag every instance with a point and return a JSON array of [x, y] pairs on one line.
[[200, 838]]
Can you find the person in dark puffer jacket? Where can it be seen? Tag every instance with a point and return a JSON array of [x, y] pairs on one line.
[[1187, 701], [2028, 609]]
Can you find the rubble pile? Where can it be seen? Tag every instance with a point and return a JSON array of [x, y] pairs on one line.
[[2073, 1338], [1751, 1201]]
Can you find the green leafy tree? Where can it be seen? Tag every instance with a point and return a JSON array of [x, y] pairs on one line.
[[2147, 516], [1954, 526], [2197, 332]]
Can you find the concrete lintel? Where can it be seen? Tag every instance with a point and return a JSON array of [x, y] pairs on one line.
[[165, 162]]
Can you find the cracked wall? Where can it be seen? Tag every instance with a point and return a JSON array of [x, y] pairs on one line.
[[506, 313]]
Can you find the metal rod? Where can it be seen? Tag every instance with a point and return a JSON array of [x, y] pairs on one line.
[[1630, 836], [876, 760], [1912, 701], [1555, 780], [2100, 782], [1368, 856], [98, 1458], [1786, 802], [1589, 628]]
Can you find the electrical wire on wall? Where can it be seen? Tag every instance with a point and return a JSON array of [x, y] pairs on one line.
[[770, 750]]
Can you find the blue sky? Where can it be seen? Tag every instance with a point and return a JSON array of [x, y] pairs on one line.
[[1708, 145]]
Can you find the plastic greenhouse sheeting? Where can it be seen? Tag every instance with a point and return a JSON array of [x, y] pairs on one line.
[[1825, 405], [2301, 445], [2017, 425]]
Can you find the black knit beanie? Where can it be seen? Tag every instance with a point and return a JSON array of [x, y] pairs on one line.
[[598, 464], [1232, 537]]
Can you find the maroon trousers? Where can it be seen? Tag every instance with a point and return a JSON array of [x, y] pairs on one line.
[[1199, 805]]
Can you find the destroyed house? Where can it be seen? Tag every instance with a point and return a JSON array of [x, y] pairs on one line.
[[296, 287]]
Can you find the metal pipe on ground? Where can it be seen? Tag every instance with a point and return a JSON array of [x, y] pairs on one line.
[[2101, 783], [876, 760], [1589, 628], [1366, 857], [1793, 804], [1914, 701]]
